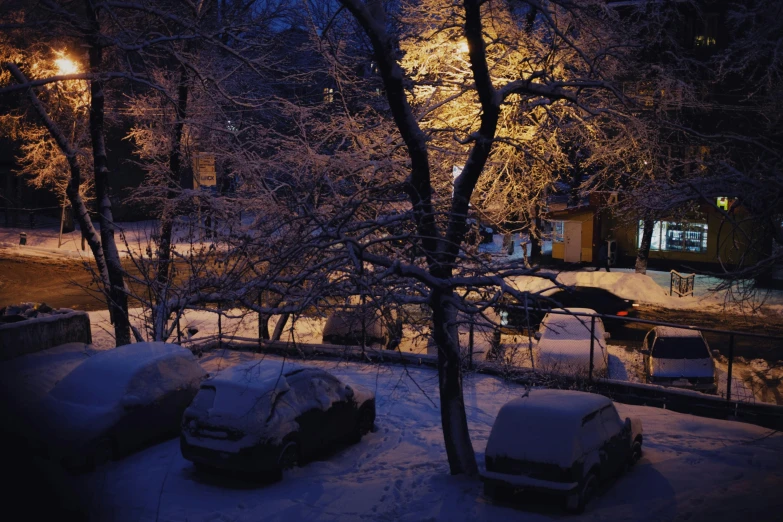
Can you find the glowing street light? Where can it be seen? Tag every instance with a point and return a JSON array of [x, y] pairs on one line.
[[65, 65], [462, 47]]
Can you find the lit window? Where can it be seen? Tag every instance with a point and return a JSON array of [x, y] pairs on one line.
[[723, 203], [328, 94], [670, 236], [557, 231]]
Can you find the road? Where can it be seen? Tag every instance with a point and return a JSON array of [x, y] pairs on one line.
[[58, 283], [67, 283]]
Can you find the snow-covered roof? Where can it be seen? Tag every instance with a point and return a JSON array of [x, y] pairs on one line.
[[544, 426], [241, 387], [670, 331], [103, 379], [564, 326]]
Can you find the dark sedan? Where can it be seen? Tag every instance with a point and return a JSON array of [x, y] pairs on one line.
[[602, 301]]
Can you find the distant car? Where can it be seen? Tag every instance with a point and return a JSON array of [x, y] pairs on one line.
[[344, 327], [559, 441], [602, 301], [265, 417], [564, 343], [679, 357], [117, 401]]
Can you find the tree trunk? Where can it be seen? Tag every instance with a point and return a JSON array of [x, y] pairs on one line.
[[459, 449], [533, 235], [279, 327], [74, 183], [168, 213], [118, 298], [643, 253]]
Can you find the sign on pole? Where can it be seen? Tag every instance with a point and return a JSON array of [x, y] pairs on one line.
[[204, 170]]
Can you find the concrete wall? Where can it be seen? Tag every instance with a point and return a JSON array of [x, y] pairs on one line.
[[40, 333]]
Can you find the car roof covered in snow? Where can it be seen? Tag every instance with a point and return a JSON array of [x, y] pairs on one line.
[[670, 331], [241, 385], [543, 426], [104, 378], [564, 326]]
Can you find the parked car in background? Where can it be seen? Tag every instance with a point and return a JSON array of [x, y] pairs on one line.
[[564, 340], [266, 417], [679, 357], [117, 401], [559, 441], [344, 327], [602, 301]]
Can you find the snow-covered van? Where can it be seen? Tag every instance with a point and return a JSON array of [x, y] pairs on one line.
[[679, 357], [559, 441]]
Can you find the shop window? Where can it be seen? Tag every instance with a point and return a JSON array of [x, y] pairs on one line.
[[670, 236]]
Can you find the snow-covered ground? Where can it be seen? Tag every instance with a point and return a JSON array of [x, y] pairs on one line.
[[693, 468], [132, 237]]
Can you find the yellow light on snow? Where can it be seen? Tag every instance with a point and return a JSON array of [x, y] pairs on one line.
[[463, 47]]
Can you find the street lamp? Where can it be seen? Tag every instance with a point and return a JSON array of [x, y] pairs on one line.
[[65, 66]]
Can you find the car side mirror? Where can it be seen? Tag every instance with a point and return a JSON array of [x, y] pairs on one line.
[[607, 335], [130, 402], [716, 353], [645, 351], [348, 391], [537, 335]]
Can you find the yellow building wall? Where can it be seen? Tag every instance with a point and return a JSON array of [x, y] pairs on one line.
[[586, 218], [730, 248]]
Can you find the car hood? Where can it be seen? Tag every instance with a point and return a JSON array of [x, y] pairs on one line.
[[683, 367], [572, 354]]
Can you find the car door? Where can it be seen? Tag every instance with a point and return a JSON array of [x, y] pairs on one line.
[[311, 416], [592, 439], [341, 414], [618, 443], [142, 419]]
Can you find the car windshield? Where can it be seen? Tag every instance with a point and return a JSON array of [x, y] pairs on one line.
[[680, 348]]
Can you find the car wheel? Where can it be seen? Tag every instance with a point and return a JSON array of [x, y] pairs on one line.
[[495, 491], [289, 456], [203, 468], [577, 501], [363, 425], [636, 454]]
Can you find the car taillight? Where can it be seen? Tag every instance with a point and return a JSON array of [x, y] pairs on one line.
[[622, 313]]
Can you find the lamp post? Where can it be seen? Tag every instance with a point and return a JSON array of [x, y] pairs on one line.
[[65, 66]]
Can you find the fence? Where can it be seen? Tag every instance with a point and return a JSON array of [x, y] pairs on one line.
[[681, 284], [30, 218], [748, 366]]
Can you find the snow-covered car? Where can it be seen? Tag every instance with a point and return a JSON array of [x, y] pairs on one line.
[[344, 327], [679, 357], [559, 441], [117, 401], [563, 343], [267, 416]]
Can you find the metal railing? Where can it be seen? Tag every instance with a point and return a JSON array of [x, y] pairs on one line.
[[681, 284]]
